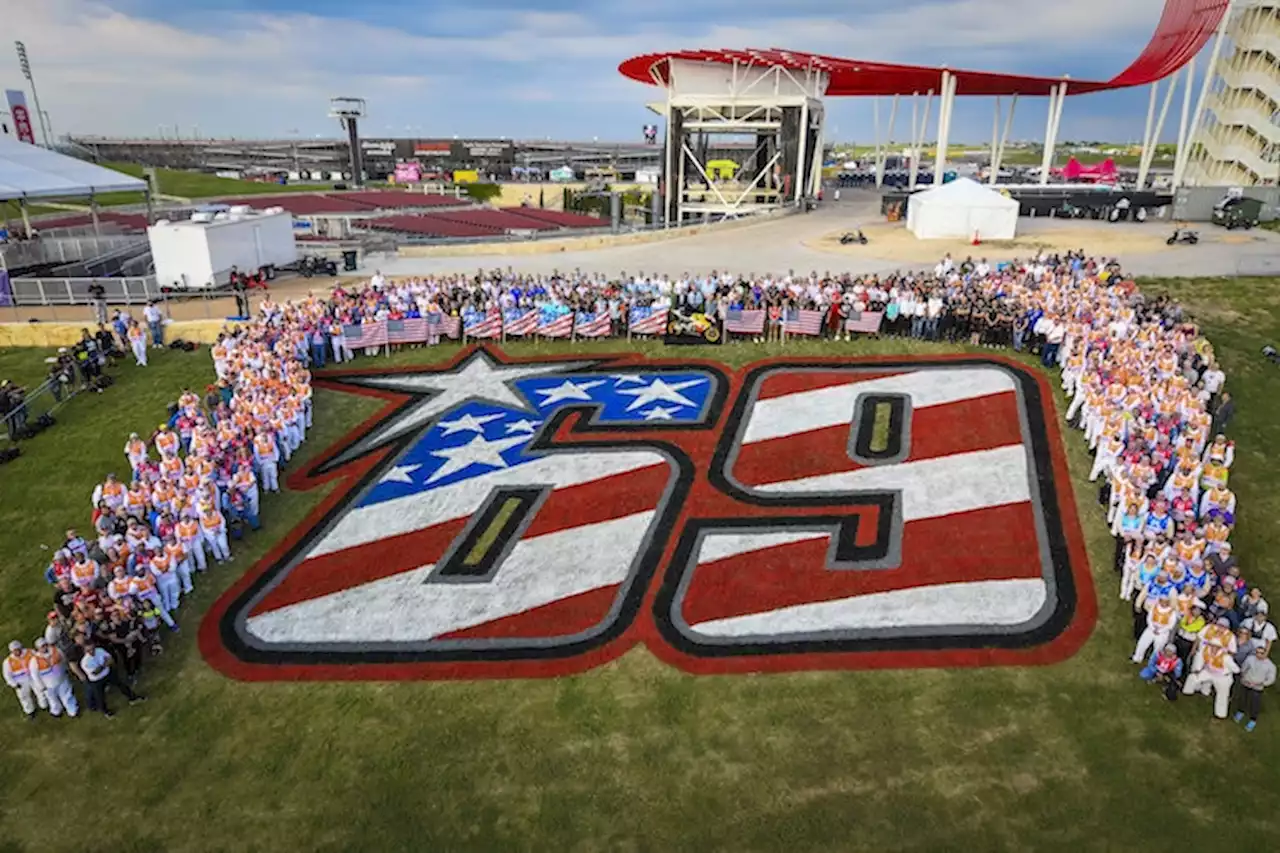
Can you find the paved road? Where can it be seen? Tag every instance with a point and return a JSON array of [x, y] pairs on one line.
[[778, 245]]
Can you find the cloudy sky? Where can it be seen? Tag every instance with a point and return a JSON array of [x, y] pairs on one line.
[[506, 68]]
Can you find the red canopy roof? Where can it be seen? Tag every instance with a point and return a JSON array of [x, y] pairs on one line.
[[1184, 29]]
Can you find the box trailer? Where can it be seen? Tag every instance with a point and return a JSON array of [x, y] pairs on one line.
[[199, 252]]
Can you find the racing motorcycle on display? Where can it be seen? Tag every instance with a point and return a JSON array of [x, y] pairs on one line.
[[694, 324], [853, 237], [1182, 235]]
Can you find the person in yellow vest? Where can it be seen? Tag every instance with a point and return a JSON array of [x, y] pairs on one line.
[[214, 527], [1213, 669], [48, 668], [1162, 620], [137, 342], [17, 675]]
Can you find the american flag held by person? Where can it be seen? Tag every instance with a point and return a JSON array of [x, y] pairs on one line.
[[412, 330], [365, 334], [865, 322], [520, 323], [741, 321], [647, 320], [802, 322], [485, 326], [438, 323], [593, 325], [554, 325]]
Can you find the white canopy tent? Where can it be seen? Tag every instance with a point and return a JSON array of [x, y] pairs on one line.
[[960, 209], [30, 172]]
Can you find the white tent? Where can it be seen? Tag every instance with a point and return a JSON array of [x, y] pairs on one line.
[[960, 209], [28, 171]]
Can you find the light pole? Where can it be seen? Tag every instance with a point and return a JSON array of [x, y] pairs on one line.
[[25, 64]]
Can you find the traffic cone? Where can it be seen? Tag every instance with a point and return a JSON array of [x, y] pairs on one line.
[[977, 240]]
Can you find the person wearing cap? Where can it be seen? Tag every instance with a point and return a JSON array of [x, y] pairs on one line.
[[1257, 674], [1213, 670], [48, 668], [1164, 667], [1260, 628], [97, 667], [17, 675]]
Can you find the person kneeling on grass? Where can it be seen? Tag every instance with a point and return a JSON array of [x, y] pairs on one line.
[[1164, 667], [1257, 674]]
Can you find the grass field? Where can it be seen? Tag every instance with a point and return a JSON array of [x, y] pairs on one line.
[[636, 756]]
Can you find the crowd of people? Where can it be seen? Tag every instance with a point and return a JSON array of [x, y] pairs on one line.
[[194, 487], [1144, 385]]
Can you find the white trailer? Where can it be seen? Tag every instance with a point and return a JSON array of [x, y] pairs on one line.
[[199, 252]]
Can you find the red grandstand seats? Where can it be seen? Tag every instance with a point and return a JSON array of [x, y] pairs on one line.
[[559, 218], [301, 204], [400, 200], [498, 219], [431, 225]]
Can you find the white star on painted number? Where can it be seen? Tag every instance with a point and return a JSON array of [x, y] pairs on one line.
[[400, 474], [480, 377], [470, 422], [660, 390], [568, 390], [660, 413], [626, 377], [522, 425], [478, 451]]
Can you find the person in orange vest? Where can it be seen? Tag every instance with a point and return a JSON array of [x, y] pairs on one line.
[[143, 586], [214, 527], [48, 668], [244, 482], [138, 342], [1213, 670], [188, 533], [268, 460], [17, 675], [166, 575], [166, 441], [178, 558], [135, 450], [110, 492]]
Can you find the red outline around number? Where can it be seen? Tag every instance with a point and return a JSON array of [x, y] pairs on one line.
[[644, 629]]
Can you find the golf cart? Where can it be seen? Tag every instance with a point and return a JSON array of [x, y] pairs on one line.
[[1237, 210]]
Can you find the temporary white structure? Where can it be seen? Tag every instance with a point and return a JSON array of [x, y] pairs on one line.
[[961, 209], [28, 172]]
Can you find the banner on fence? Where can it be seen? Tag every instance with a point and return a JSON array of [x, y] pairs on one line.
[[692, 327], [865, 322], [6, 290]]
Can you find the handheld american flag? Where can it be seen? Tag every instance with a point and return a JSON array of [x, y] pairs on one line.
[[595, 325], [802, 322], [521, 322], [555, 325], [479, 325], [409, 331], [744, 322], [866, 322], [647, 320], [371, 334]]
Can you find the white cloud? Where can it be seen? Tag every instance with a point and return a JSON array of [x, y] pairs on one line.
[[104, 70]]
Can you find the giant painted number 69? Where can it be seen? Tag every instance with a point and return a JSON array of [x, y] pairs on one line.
[[835, 515]]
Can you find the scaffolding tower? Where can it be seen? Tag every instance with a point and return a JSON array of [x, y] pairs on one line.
[[778, 110]]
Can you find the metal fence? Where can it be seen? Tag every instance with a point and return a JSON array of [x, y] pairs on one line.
[[75, 291], [1195, 204], [63, 250]]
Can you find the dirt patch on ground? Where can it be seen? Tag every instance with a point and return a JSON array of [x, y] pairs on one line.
[[892, 241]]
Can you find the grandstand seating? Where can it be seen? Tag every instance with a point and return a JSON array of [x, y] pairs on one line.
[[302, 204], [397, 200], [558, 218], [431, 226], [129, 223], [498, 219]]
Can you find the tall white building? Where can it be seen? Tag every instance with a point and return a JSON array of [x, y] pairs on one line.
[[1238, 140]]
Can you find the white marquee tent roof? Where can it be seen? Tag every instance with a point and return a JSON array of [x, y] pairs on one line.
[[965, 192], [28, 171]]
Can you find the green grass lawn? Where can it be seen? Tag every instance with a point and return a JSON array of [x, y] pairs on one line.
[[173, 182], [635, 755]]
